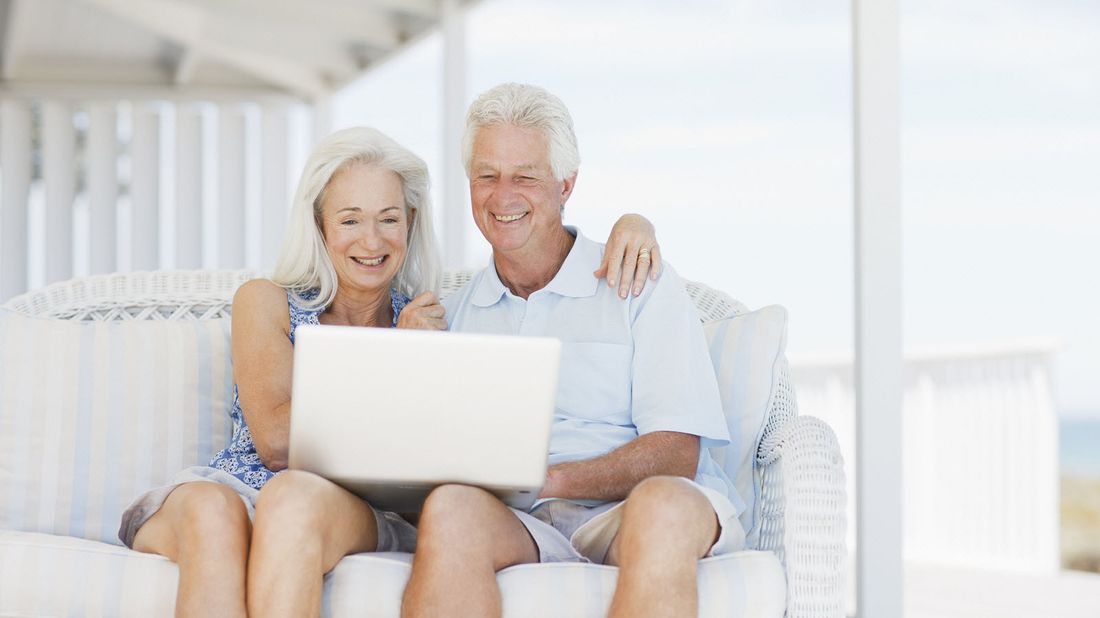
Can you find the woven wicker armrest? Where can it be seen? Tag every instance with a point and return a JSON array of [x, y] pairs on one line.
[[803, 514]]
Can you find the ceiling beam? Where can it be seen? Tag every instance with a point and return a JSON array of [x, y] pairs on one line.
[[428, 9], [188, 25], [184, 68], [329, 20]]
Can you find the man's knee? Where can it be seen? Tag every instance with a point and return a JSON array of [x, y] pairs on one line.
[[668, 506]]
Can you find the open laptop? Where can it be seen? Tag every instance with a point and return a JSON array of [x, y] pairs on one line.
[[391, 414]]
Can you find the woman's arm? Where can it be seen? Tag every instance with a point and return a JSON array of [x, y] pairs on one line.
[[262, 367], [631, 254]]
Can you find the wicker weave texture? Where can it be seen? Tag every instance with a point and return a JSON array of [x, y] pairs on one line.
[[801, 470], [155, 295]]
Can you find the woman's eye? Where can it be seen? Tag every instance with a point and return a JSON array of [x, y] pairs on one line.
[[348, 222], [390, 220]]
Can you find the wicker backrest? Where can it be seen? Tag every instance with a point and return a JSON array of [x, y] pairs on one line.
[[208, 294]]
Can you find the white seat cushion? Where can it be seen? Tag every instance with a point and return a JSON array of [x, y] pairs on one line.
[[48, 575], [748, 584]]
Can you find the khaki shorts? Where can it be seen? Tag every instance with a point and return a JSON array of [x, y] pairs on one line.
[[569, 532], [394, 533]]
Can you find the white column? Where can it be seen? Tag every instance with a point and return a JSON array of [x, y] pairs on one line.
[[878, 333], [59, 174], [15, 168], [231, 181], [189, 181], [455, 193], [102, 187], [274, 197], [145, 188]]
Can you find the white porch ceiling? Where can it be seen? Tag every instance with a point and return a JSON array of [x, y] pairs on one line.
[[304, 48]]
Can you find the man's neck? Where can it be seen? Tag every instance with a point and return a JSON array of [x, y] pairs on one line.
[[524, 272]]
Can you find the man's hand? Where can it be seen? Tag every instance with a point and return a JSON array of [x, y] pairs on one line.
[[423, 312], [612, 476]]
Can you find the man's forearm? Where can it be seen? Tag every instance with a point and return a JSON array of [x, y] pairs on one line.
[[612, 476]]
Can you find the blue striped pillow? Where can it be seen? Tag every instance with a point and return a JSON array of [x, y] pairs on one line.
[[94, 413], [748, 355]]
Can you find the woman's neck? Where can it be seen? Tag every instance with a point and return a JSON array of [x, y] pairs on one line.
[[359, 308]]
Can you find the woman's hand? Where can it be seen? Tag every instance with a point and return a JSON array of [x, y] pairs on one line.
[[631, 254], [423, 312]]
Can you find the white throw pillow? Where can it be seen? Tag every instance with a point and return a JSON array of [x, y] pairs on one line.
[[94, 413], [747, 352]]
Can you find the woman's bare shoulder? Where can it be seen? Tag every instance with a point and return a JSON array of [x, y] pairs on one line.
[[260, 298]]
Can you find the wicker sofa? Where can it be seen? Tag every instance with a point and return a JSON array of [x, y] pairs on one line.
[[110, 384]]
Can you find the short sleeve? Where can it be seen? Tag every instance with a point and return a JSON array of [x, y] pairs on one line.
[[673, 384]]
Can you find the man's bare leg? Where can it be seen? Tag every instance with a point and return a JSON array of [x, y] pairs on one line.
[[304, 525], [465, 536], [667, 526], [204, 528]]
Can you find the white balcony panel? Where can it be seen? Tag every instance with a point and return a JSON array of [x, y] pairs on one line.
[[231, 186], [274, 197], [189, 182], [102, 187], [15, 172], [145, 188], [59, 175]]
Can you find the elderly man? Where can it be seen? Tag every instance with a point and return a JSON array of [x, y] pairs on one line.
[[630, 482]]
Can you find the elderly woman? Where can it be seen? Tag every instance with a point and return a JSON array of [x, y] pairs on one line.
[[359, 246]]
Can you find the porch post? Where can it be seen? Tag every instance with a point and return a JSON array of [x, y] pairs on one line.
[[102, 187], [878, 326], [189, 183], [15, 166], [59, 176], [455, 193]]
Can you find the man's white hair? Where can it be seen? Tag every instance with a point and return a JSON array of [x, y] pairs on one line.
[[526, 106], [304, 263]]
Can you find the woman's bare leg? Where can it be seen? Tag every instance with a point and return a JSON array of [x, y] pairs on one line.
[[204, 528], [304, 525]]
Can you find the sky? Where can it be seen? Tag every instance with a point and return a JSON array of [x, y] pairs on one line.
[[728, 124]]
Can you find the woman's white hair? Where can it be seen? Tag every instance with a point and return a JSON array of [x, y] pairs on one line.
[[304, 263], [526, 106]]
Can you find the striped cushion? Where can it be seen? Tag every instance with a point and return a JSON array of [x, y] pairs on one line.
[[747, 352], [94, 413]]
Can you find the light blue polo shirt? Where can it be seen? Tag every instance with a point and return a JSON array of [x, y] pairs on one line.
[[628, 367]]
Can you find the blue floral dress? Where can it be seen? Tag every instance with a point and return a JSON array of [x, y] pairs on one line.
[[240, 458]]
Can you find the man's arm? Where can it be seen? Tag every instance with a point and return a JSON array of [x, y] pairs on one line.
[[612, 476]]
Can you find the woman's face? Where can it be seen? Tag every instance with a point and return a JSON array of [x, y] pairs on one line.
[[366, 227]]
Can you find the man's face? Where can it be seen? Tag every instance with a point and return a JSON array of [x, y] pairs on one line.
[[515, 198]]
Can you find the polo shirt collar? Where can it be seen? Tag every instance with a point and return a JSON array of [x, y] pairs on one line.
[[574, 278]]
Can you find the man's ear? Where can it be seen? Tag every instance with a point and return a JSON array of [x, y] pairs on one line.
[[567, 188]]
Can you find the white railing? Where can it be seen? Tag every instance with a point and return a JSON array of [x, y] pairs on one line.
[[96, 181], [981, 451]]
